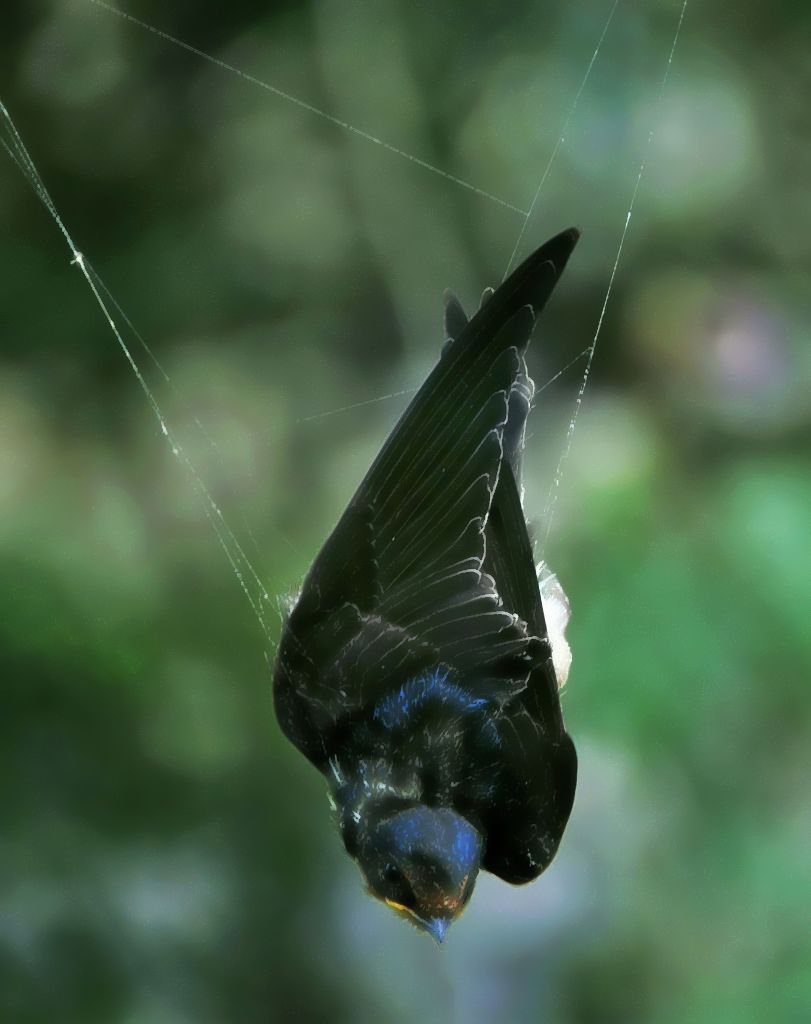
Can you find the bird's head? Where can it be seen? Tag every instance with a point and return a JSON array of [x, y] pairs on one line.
[[423, 863]]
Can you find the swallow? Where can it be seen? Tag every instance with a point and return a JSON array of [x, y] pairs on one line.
[[419, 667]]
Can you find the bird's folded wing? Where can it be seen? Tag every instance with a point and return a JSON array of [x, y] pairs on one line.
[[509, 560], [408, 551]]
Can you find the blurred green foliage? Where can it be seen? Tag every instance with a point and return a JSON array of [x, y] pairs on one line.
[[164, 855]]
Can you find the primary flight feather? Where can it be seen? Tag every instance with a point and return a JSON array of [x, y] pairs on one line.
[[415, 670]]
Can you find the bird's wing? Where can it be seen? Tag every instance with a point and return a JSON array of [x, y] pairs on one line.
[[538, 763], [405, 560], [432, 486], [509, 560]]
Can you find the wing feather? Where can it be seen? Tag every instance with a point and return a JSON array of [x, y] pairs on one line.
[[421, 568]]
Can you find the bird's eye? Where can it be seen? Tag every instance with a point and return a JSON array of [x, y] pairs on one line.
[[392, 873], [397, 892]]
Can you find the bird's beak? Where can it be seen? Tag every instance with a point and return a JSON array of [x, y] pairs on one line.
[[436, 926]]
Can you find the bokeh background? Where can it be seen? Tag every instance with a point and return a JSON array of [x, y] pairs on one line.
[[165, 856]]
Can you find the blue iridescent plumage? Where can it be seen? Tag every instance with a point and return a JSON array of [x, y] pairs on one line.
[[415, 670], [398, 710]]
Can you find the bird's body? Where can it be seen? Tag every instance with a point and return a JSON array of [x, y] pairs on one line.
[[415, 670]]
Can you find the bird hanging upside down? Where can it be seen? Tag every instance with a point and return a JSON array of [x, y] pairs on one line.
[[419, 668]]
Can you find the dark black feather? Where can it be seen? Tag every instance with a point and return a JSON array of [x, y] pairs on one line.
[[415, 669]]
